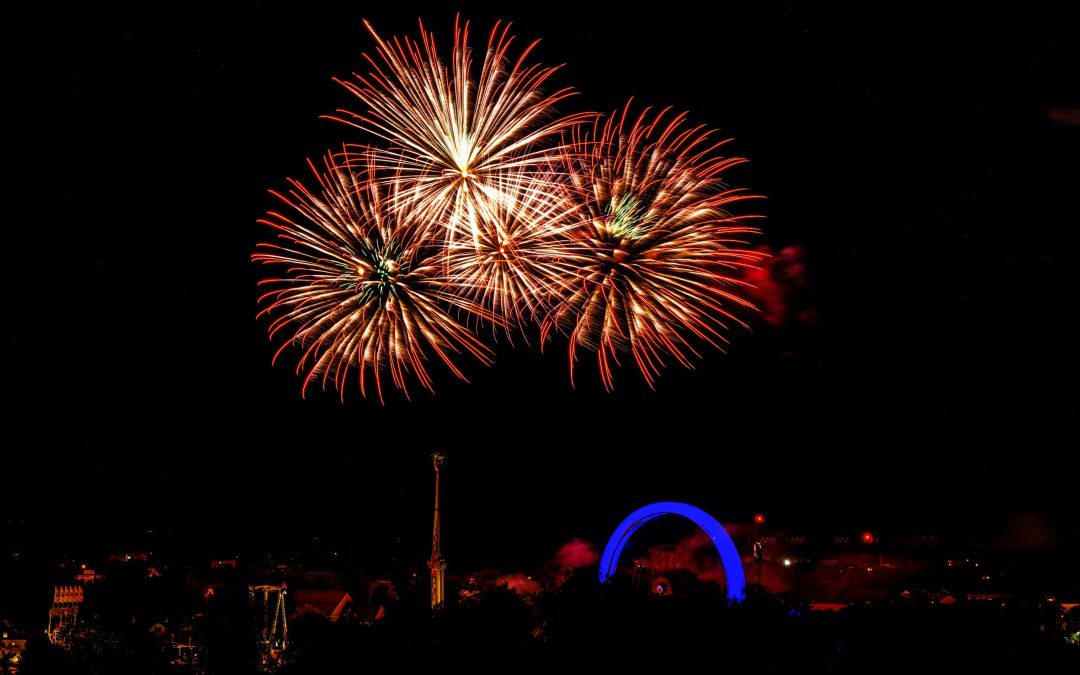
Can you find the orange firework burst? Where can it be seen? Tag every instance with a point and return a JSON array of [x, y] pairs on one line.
[[663, 253], [489, 209], [462, 140], [364, 282], [520, 256]]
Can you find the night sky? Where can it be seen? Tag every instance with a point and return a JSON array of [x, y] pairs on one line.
[[925, 164]]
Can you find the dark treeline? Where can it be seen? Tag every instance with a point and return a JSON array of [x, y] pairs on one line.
[[581, 626]]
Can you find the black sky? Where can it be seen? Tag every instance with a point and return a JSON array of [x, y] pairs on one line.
[[926, 162]]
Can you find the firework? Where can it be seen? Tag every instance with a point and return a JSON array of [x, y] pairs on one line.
[[465, 142], [664, 255], [520, 257], [364, 286], [489, 210]]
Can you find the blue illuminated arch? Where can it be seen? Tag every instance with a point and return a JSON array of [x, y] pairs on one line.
[[729, 555]]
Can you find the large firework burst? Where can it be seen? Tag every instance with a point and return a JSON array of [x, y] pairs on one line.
[[487, 209], [663, 253], [364, 286], [463, 140]]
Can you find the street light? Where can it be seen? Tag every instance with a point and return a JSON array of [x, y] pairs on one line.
[[759, 550]]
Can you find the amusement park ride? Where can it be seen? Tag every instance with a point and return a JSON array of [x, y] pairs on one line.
[[64, 613], [729, 555], [437, 563], [269, 602]]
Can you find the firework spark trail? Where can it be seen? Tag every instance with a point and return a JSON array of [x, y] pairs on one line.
[[458, 138], [664, 254], [520, 259], [364, 284]]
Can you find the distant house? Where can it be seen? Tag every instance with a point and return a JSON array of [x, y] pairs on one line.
[[87, 575], [332, 604], [370, 612], [224, 562], [989, 597]]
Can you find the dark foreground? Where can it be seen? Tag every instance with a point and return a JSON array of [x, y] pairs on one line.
[[582, 627]]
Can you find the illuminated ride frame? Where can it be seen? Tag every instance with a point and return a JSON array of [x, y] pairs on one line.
[[729, 555]]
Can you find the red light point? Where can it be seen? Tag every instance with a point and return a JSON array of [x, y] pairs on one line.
[[759, 518]]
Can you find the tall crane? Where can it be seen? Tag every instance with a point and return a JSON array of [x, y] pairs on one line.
[[437, 564]]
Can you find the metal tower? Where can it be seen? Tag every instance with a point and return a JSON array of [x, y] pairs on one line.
[[437, 562], [268, 601]]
